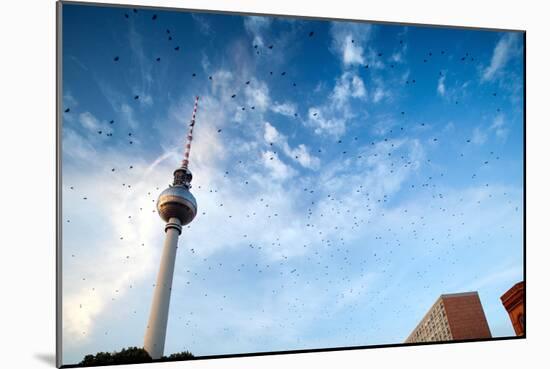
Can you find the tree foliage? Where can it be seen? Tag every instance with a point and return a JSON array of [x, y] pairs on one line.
[[184, 355], [130, 355]]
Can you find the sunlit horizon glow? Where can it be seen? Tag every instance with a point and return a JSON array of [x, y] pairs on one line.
[[336, 201]]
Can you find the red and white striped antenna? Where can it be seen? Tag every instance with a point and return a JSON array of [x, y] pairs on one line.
[[185, 161]]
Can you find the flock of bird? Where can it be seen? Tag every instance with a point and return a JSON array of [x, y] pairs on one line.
[[331, 265]]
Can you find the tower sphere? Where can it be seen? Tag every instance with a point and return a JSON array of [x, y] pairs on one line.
[[177, 202]]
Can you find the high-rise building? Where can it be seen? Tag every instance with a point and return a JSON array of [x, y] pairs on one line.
[[177, 207], [456, 316], [513, 301]]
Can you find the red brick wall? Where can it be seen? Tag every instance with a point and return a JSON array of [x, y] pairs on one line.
[[466, 317], [513, 301]]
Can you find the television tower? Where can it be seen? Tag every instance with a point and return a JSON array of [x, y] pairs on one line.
[[177, 207]]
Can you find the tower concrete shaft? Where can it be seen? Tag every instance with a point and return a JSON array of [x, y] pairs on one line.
[[155, 333]]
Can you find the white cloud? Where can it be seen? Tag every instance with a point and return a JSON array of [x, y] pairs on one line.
[[69, 101], [93, 125], [76, 146], [256, 26], [331, 118], [205, 62], [103, 262], [299, 154], [146, 100], [202, 23], [478, 136], [396, 57], [286, 108], [349, 85], [128, 113], [379, 94], [504, 274], [271, 134], [333, 125], [257, 95], [441, 85], [351, 54], [348, 40], [276, 168], [499, 127], [144, 62], [89, 121], [506, 47]]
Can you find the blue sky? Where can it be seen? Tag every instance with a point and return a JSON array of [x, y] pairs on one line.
[[336, 201]]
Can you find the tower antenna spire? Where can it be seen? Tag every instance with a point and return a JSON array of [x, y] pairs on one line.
[[185, 161]]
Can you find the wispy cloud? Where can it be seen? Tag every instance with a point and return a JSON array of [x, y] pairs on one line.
[[256, 26], [144, 80], [506, 47], [288, 109], [202, 22], [478, 136], [331, 119], [300, 154], [349, 85], [348, 41], [499, 127], [441, 85]]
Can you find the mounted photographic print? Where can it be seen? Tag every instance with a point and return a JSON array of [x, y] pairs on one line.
[[241, 184]]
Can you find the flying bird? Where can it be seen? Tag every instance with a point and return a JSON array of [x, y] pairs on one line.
[[154, 17], [67, 110], [136, 97], [311, 33], [116, 58]]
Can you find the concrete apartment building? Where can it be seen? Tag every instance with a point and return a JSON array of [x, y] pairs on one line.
[[457, 316]]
